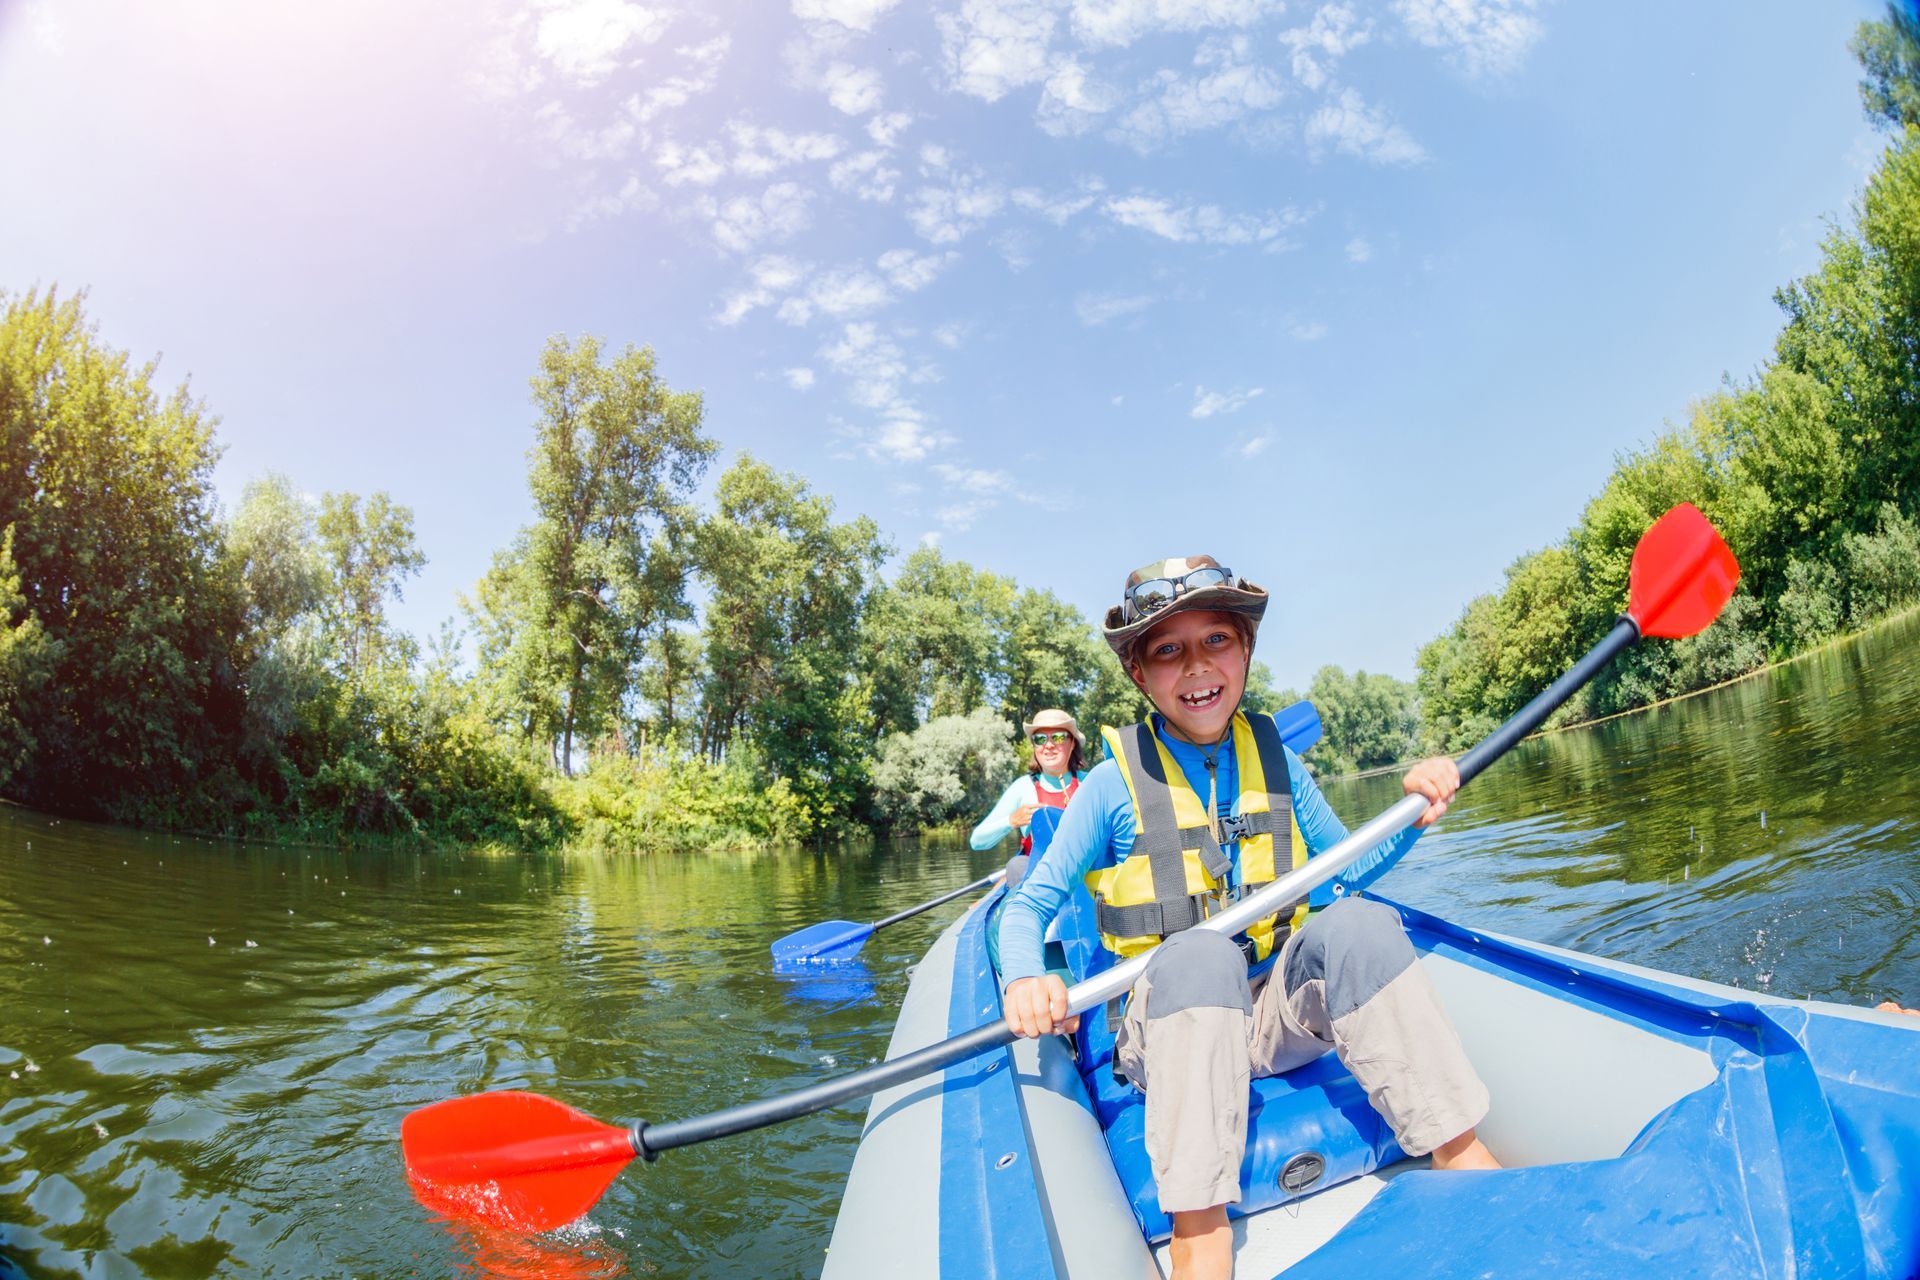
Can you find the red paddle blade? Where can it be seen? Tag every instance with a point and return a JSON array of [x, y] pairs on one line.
[[1682, 575], [513, 1159]]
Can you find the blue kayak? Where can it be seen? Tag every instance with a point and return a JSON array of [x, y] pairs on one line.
[[1652, 1125]]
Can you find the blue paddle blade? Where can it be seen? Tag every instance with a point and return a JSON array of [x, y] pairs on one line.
[[1041, 827], [842, 985], [823, 943], [1299, 726]]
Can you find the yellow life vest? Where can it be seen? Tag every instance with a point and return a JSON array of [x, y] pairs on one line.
[[1177, 874]]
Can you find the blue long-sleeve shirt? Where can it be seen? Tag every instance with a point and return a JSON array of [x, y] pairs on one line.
[[1096, 831], [1022, 790]]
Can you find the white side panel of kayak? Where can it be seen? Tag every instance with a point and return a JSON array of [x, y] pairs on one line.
[[1094, 1233], [1568, 1082], [889, 1223]]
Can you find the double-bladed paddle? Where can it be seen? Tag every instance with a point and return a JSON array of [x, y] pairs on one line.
[[528, 1162], [835, 940]]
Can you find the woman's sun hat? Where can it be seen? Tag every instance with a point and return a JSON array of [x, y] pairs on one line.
[[1054, 718], [1155, 592]]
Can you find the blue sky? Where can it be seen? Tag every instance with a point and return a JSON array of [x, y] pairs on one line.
[[1361, 298]]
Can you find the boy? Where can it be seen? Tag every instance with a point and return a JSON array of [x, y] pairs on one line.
[[1188, 811]]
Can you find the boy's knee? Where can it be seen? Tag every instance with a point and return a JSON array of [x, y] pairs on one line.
[[1356, 948], [1197, 969]]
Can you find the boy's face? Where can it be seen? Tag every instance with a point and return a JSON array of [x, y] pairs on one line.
[[1193, 668]]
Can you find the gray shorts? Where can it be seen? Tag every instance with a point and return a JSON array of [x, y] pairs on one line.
[[1196, 1033]]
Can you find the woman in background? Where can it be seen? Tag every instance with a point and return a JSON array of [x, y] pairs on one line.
[[1059, 762]]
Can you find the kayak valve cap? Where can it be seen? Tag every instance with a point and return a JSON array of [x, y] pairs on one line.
[[1302, 1172]]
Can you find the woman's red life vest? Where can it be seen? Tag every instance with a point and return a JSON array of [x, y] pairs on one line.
[[1048, 800]]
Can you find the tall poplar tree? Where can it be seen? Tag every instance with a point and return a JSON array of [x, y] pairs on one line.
[[566, 615]]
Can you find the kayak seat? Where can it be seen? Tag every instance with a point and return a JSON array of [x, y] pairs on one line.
[[1307, 1130]]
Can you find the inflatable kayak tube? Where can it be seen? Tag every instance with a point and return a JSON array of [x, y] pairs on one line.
[[1653, 1125]]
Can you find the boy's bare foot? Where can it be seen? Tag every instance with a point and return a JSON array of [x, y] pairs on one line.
[[1464, 1152], [1202, 1246], [1888, 1006]]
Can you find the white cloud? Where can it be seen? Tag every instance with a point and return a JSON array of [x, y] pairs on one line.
[[633, 196], [979, 481], [914, 272], [990, 47], [1254, 446], [1307, 331], [1319, 46], [1099, 308], [800, 379], [684, 166], [1058, 209], [586, 40], [1358, 250], [931, 538], [581, 141], [1199, 224], [960, 516], [852, 90], [857, 15], [1481, 37], [761, 151], [772, 276], [1016, 247], [947, 214], [702, 65], [778, 213], [1121, 22], [904, 440], [1231, 85], [1207, 403], [876, 368], [1348, 124], [951, 334], [866, 174], [885, 129], [1074, 99], [846, 291]]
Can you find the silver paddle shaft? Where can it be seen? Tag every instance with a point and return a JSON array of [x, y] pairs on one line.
[[1283, 892]]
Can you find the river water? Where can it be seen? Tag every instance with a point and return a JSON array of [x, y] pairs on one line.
[[206, 1050]]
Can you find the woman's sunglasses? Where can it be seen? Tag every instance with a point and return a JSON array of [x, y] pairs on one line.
[[1049, 739]]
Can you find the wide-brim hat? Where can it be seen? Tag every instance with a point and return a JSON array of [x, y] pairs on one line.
[[1235, 595], [1054, 718]]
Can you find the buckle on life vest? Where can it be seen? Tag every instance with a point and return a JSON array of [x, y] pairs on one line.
[[1238, 827]]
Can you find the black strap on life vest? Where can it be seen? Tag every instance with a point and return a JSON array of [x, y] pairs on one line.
[[1161, 841], [1279, 814]]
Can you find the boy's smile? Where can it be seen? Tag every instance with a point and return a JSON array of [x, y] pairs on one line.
[[1193, 668]]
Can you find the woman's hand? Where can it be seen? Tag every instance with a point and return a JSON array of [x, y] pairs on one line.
[[1023, 815], [1038, 1007], [1436, 778]]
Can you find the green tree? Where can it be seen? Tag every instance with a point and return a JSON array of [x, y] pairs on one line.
[[566, 614], [1889, 53], [1883, 567], [1366, 720], [24, 667], [1051, 657], [107, 485], [951, 768], [368, 549], [787, 587], [935, 640]]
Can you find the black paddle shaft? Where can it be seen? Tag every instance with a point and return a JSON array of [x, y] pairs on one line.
[[1524, 721], [650, 1140], [961, 892]]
